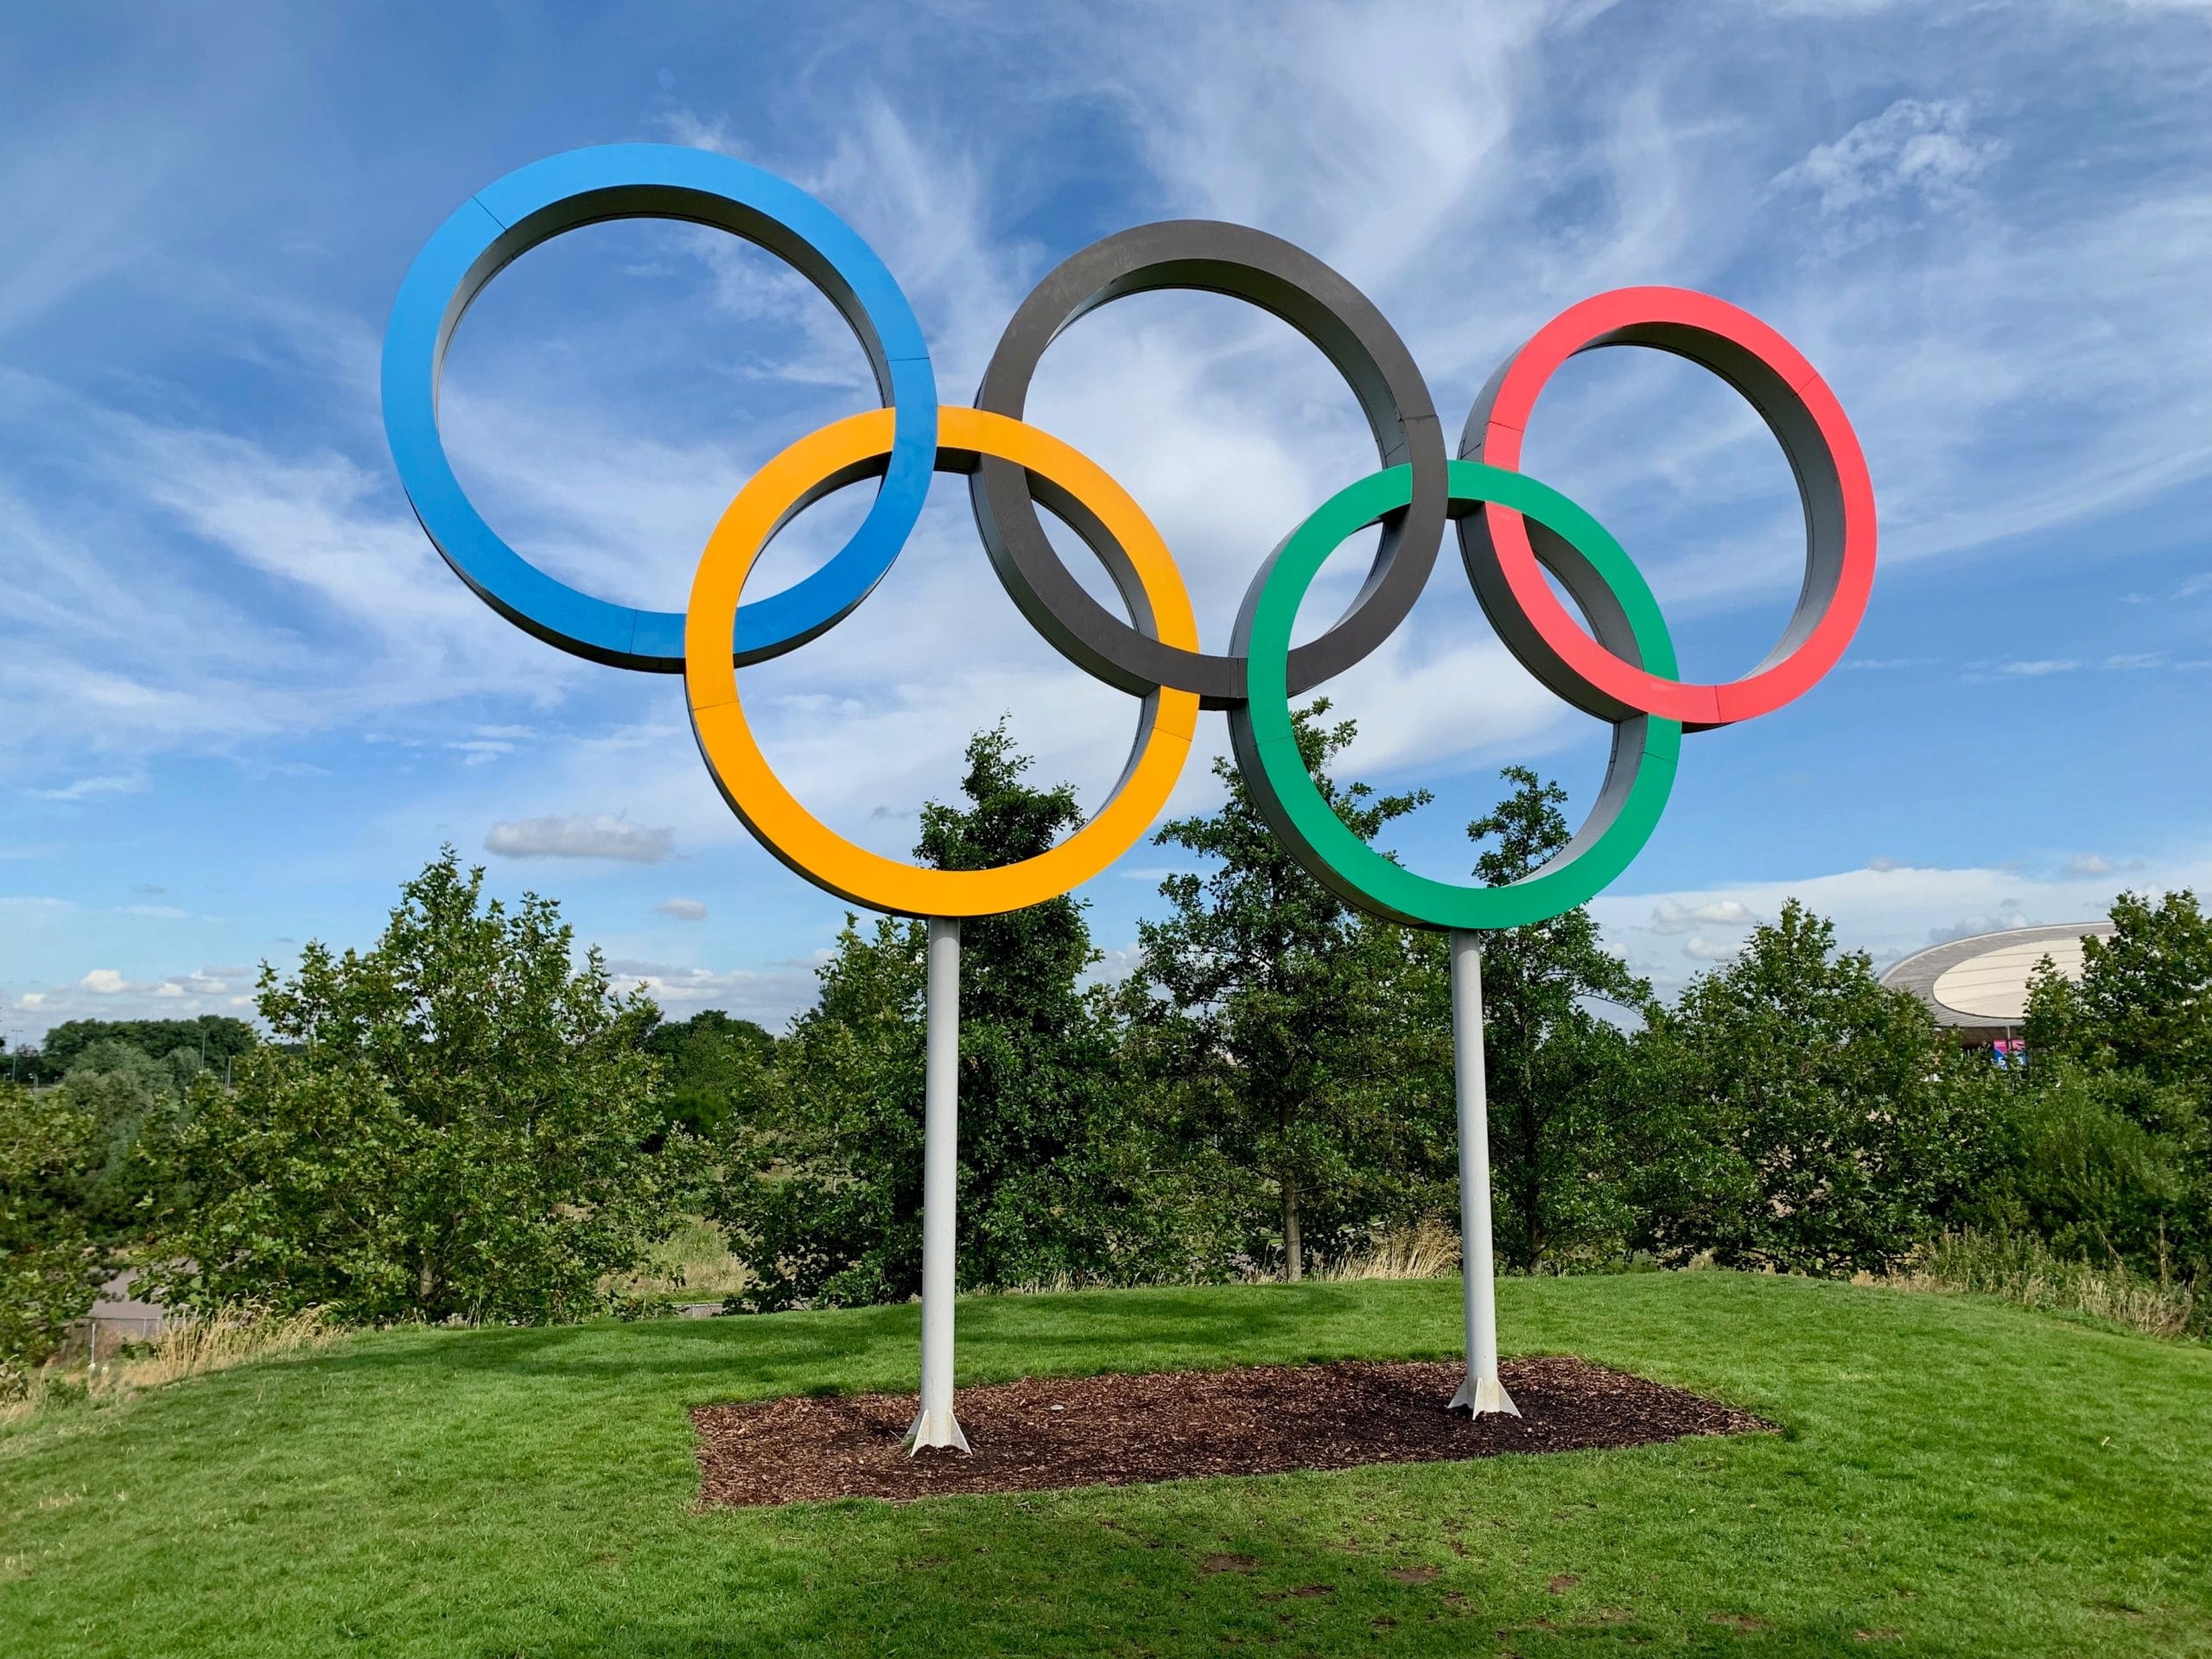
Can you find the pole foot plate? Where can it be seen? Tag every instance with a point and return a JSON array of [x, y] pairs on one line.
[[1484, 1397], [938, 1429]]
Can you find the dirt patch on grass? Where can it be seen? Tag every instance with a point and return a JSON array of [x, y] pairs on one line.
[[1048, 1431]]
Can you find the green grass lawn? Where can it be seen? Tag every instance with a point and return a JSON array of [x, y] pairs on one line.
[[1954, 1478]]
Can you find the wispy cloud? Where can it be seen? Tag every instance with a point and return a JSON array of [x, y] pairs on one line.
[[769, 995], [1888, 911], [306, 603], [596, 835], [104, 784], [1921, 152], [2030, 668], [206, 554], [1672, 916]]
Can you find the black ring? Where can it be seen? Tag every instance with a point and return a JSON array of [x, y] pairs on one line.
[[1246, 264]]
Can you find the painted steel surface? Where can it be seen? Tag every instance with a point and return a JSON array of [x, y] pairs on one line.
[[1110, 522], [1512, 531], [536, 203], [1278, 277], [1822, 451], [1613, 594]]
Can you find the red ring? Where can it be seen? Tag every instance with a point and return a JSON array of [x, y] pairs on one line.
[[1822, 450]]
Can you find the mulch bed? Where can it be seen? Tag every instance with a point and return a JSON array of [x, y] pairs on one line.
[[1048, 1431]]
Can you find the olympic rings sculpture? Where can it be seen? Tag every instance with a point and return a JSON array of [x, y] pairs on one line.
[[1511, 529]]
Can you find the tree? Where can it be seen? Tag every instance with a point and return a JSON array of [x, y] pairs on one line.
[[830, 1211], [213, 1038], [715, 1068], [2144, 1003], [820, 1194], [1557, 1070], [126, 1093], [25, 1066], [2115, 1144], [1799, 1115], [2099, 1164], [456, 1123], [49, 1267], [1269, 1022]]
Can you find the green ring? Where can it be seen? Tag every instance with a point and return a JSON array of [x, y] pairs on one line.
[[1645, 748]]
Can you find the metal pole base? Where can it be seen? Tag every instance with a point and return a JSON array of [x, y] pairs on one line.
[[934, 1424], [1480, 1394], [1483, 1399], [938, 1429]]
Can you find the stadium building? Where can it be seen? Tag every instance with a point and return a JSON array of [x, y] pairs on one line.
[[1979, 986]]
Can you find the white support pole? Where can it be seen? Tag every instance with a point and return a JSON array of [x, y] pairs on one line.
[[935, 1425], [1481, 1392]]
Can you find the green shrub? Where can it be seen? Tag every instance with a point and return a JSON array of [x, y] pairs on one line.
[[49, 1268], [456, 1123], [1796, 1114]]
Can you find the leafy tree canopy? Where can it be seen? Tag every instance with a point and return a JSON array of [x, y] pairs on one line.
[[213, 1036], [1556, 1070], [2144, 1003], [715, 1070], [1800, 1116], [49, 1153], [125, 1092], [461, 1123], [1270, 1006], [2114, 1155], [831, 1210]]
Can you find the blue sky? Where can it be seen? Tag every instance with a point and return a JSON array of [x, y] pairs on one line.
[[241, 698]]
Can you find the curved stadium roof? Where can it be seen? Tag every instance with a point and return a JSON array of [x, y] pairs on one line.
[[1981, 984]]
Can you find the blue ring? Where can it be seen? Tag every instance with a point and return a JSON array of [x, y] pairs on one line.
[[582, 186]]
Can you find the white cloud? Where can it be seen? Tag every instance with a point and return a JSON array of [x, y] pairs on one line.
[[2036, 668], [108, 993], [1671, 916], [2084, 865], [1890, 912], [1916, 148], [770, 995], [595, 835], [85, 788], [683, 910], [221, 583], [141, 610]]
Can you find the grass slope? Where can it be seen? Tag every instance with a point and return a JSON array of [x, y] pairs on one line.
[[1956, 1478]]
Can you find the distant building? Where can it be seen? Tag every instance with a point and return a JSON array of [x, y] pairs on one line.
[[1979, 986]]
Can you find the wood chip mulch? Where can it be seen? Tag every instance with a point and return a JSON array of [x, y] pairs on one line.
[[1048, 1431]]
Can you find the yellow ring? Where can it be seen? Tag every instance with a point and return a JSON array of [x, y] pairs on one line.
[[853, 448]]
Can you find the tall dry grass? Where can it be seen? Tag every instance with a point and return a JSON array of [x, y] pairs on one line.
[[693, 1264], [1427, 1249], [2021, 1268], [188, 1345]]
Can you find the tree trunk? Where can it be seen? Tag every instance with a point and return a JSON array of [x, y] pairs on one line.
[[1532, 1181], [1292, 1257]]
